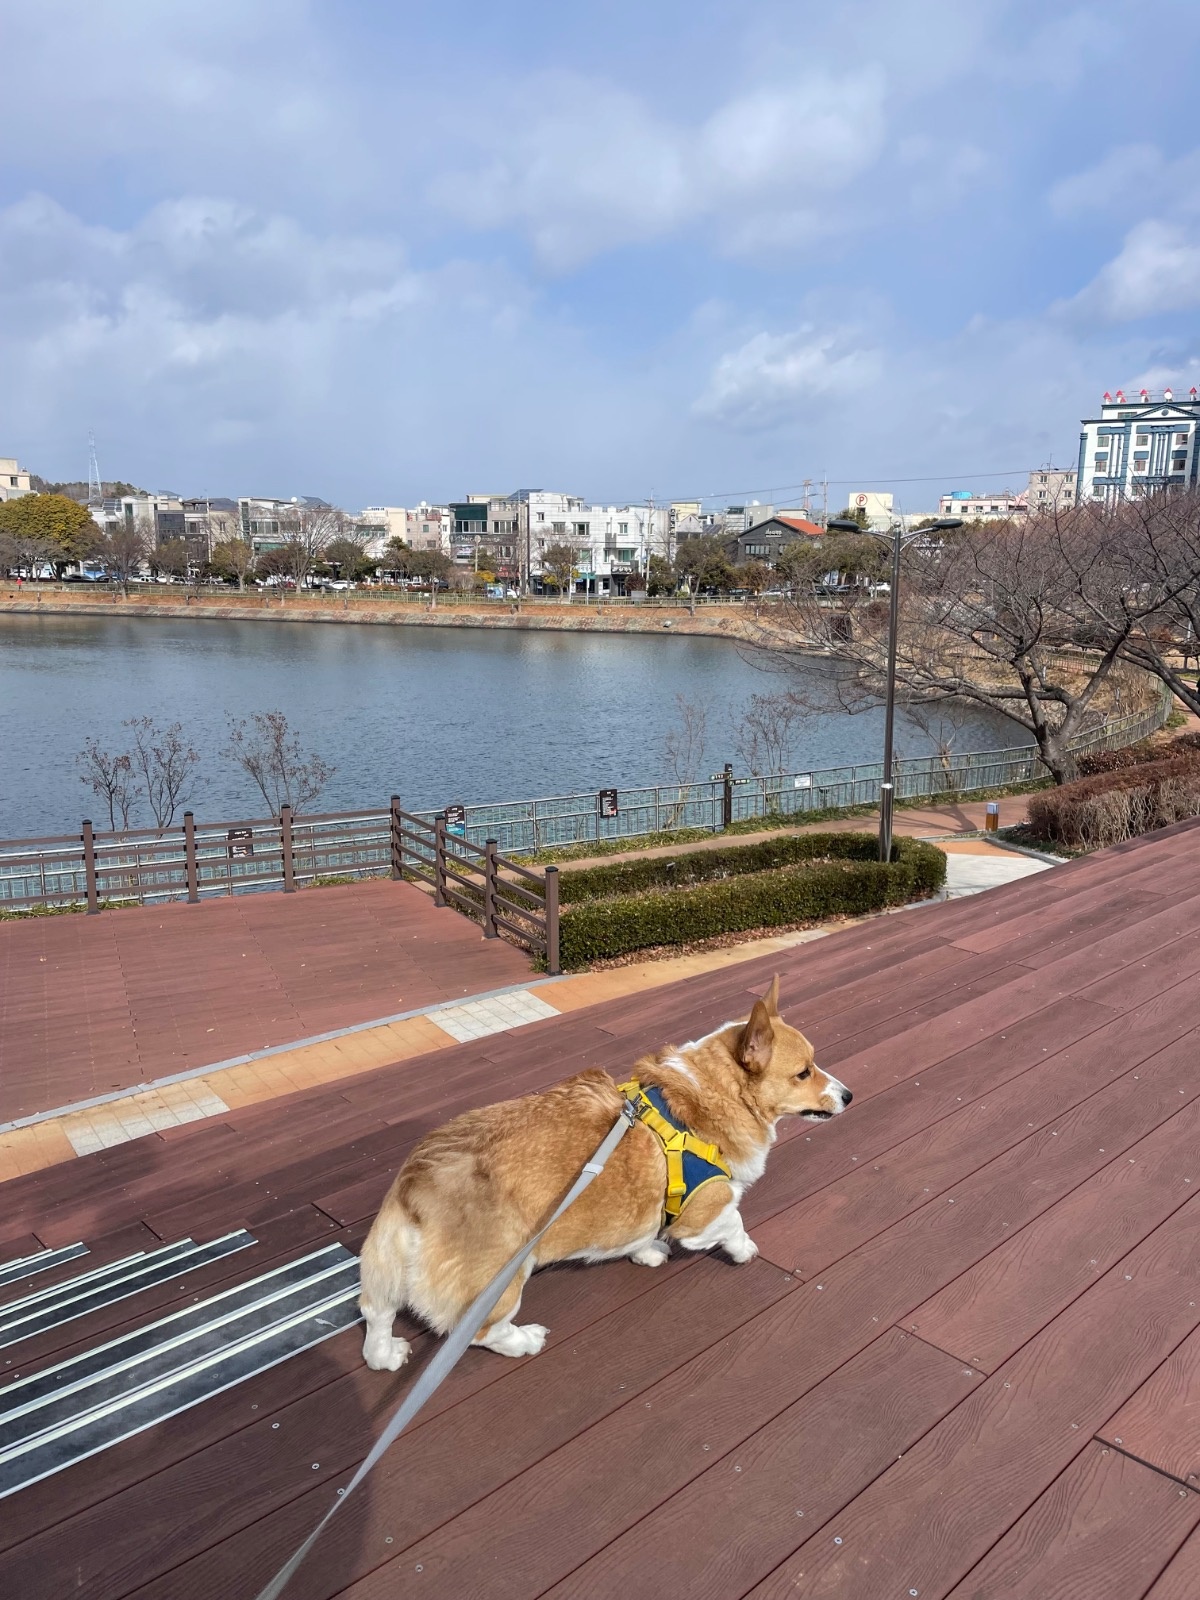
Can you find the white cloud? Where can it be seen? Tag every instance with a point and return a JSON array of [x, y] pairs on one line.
[[1157, 271], [590, 167], [772, 377], [1130, 180]]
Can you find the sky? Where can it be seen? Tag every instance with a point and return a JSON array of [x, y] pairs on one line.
[[389, 250]]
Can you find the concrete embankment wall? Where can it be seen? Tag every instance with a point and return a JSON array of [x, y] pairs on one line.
[[731, 621]]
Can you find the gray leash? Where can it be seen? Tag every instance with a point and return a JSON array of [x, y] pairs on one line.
[[445, 1357]]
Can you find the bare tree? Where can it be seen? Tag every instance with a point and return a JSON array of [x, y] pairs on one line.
[[170, 558], [233, 558], [941, 723], [123, 549], [111, 777], [558, 564], [686, 742], [1154, 613], [26, 552], [164, 762], [1009, 616], [269, 751], [305, 534], [765, 729]]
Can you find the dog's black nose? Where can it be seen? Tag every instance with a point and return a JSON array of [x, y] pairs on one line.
[[846, 1097]]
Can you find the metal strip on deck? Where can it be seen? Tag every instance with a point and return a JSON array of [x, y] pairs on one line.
[[87, 1404], [47, 1309], [26, 1266]]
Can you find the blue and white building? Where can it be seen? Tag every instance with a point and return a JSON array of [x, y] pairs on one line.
[[1138, 445]]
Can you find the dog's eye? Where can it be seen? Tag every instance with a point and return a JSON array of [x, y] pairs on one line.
[[807, 1073]]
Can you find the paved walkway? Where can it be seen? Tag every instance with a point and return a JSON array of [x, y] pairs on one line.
[[93, 1004], [916, 822]]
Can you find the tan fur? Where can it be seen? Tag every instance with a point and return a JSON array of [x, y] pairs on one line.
[[475, 1190]]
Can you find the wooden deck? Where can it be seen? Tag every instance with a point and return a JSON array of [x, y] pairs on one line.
[[92, 1004], [966, 1364]]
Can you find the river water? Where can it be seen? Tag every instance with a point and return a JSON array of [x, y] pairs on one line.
[[435, 715]]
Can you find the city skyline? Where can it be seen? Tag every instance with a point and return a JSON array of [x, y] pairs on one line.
[[384, 256]]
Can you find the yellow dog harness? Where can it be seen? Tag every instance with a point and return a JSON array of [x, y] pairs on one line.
[[691, 1162]]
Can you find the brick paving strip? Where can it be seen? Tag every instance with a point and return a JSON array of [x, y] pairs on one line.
[[31, 1143]]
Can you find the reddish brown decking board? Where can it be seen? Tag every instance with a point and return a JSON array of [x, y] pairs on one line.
[[963, 1365], [92, 1004]]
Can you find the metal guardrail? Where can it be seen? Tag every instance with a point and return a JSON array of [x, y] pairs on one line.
[[465, 861], [527, 826]]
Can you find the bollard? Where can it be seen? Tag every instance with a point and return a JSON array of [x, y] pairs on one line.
[[397, 840], [992, 819], [189, 857]]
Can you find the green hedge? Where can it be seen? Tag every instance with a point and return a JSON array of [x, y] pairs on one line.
[[702, 866], [802, 892]]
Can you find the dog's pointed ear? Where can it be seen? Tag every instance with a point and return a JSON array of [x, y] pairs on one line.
[[771, 998], [758, 1040]]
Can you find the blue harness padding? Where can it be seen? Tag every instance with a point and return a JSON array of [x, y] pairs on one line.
[[691, 1162]]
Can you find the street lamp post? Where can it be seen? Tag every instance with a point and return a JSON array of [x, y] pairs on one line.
[[886, 786]]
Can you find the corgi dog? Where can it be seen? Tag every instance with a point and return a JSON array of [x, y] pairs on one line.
[[475, 1190]]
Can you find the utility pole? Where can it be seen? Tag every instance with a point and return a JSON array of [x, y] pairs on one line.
[[807, 495]]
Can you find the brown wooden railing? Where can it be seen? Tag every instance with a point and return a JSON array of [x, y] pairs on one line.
[[478, 881], [200, 861]]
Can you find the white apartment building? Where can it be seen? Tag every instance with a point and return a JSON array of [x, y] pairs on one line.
[[996, 507], [613, 542], [1136, 446], [14, 480]]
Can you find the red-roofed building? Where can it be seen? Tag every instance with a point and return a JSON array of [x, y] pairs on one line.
[[766, 539]]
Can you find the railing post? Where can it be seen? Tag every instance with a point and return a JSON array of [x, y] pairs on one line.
[[490, 930], [189, 857], [727, 795], [439, 859], [89, 868], [553, 965], [285, 840], [397, 840]]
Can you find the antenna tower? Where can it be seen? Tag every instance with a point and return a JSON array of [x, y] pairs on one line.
[[95, 487]]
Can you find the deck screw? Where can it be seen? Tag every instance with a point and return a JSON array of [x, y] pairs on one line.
[[274, 1424], [737, 1469], [914, 1591], [1118, 1441], [315, 1465], [418, 1567], [388, 1540], [799, 1513], [837, 1541]]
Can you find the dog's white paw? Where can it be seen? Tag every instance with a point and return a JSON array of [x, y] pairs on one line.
[[508, 1340], [652, 1254], [741, 1250], [386, 1354]]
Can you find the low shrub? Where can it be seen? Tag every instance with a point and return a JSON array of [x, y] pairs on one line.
[[1137, 755], [1114, 806], [703, 866], [807, 890]]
